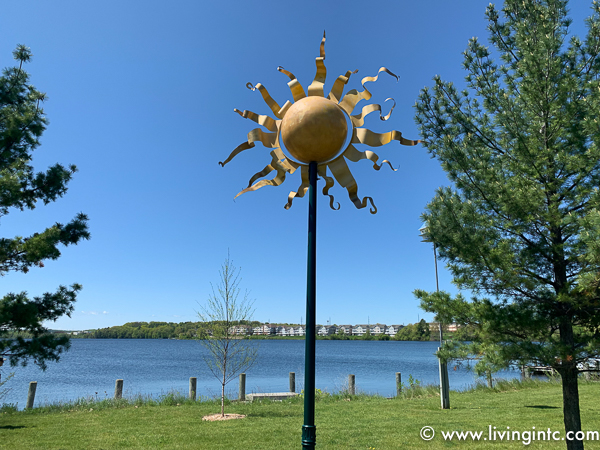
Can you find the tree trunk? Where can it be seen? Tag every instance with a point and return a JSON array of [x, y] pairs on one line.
[[568, 373], [568, 365], [571, 407]]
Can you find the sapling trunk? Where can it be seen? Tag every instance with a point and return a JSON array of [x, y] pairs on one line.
[[223, 382]]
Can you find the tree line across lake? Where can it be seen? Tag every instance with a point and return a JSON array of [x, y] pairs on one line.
[[198, 330]]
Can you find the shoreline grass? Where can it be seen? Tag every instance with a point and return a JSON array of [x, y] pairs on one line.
[[343, 421], [175, 398]]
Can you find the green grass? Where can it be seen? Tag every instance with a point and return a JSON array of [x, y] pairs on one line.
[[343, 421]]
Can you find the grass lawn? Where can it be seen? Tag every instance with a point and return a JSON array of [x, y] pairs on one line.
[[343, 422]]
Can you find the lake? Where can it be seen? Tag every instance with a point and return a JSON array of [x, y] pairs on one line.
[[155, 367]]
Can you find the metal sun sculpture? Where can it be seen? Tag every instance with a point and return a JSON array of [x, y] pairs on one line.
[[314, 129]]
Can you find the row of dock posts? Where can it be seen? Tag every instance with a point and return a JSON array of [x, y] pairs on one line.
[[118, 391], [525, 371], [351, 385], [193, 385], [191, 394]]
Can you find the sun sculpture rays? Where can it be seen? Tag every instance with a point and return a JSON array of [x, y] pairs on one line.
[[314, 129]]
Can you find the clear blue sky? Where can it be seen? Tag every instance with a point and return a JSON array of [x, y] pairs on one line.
[[141, 98]]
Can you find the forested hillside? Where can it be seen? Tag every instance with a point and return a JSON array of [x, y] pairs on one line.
[[151, 330]]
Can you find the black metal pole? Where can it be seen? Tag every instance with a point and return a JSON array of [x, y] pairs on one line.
[[309, 430]]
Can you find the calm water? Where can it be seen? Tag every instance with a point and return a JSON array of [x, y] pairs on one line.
[[155, 367]]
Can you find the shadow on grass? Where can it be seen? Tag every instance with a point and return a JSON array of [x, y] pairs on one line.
[[12, 427], [273, 414], [541, 406]]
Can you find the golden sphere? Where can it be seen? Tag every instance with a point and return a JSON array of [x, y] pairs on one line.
[[314, 129]]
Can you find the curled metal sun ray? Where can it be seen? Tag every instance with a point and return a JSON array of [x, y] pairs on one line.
[[354, 155], [354, 198], [358, 120], [342, 174], [286, 72], [268, 168], [372, 139], [316, 87], [267, 98], [351, 99], [267, 139], [290, 165], [295, 87], [338, 86], [388, 115], [329, 182], [263, 173], [287, 105], [301, 190], [265, 121], [276, 181]]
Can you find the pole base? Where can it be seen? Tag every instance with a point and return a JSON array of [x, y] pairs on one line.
[[309, 436], [444, 385]]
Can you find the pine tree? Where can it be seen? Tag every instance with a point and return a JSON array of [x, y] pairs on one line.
[[22, 123], [422, 330], [520, 226]]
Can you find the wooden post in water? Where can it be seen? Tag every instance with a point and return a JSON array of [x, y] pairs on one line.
[[292, 381], [193, 388], [398, 383], [118, 389], [242, 393], [352, 384], [31, 394]]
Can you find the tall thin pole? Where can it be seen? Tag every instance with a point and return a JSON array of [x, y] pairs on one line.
[[309, 430], [437, 289], [444, 381]]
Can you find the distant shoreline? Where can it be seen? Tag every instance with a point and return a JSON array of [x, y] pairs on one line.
[[267, 338], [420, 331]]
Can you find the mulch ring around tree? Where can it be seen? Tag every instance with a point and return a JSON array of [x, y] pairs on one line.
[[214, 417]]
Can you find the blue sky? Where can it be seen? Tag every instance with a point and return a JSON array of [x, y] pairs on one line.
[[141, 97]]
